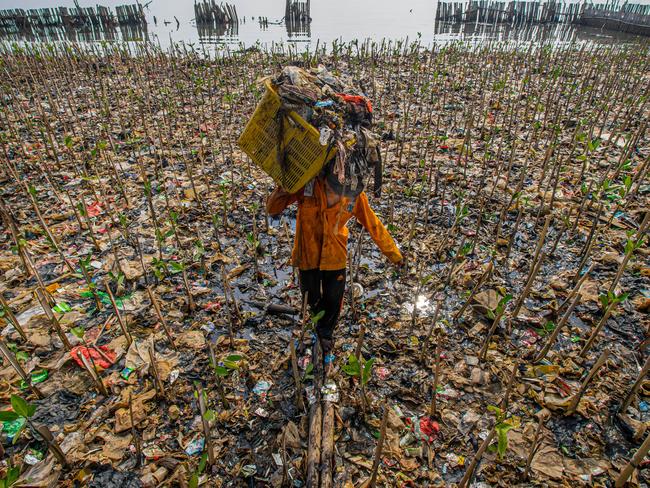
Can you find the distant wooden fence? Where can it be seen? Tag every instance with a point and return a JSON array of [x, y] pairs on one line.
[[634, 18], [99, 17], [210, 13], [297, 17], [514, 11]]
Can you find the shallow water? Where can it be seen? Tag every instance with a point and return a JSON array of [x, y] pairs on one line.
[[332, 20]]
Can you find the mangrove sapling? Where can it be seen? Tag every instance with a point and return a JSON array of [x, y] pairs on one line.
[[84, 266], [535, 444], [463, 250], [11, 358], [502, 425], [31, 191], [40, 296], [535, 266], [19, 242], [513, 234], [206, 416], [588, 246], [11, 318], [575, 293], [196, 475], [118, 315], [631, 245], [630, 395], [566, 222], [191, 306], [477, 286], [436, 380], [83, 211], [573, 404], [135, 435], [296, 376], [24, 410], [608, 301], [153, 369], [380, 446], [633, 464], [432, 327], [362, 370], [586, 191], [253, 241], [496, 315], [91, 367], [161, 317]]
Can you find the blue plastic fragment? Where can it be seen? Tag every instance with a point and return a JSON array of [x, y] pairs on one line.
[[644, 407], [326, 103], [330, 358]]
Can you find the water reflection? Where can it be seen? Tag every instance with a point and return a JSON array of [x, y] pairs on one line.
[[218, 33]]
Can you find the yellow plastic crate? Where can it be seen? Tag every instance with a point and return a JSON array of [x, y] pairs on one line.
[[304, 155]]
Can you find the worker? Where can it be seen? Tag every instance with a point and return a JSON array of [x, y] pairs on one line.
[[320, 246]]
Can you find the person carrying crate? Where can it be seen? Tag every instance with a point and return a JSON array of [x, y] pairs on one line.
[[320, 245]]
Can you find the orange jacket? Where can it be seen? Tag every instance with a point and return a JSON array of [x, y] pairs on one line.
[[321, 231]]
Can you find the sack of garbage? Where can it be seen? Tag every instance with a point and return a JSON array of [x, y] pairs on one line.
[[341, 114]]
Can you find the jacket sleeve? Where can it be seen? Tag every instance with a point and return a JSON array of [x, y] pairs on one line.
[[279, 200], [367, 217]]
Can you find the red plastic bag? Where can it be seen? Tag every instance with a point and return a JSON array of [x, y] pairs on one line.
[[101, 360]]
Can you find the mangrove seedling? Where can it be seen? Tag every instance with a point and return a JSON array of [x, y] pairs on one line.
[[502, 427], [194, 479], [496, 315], [362, 370], [24, 410]]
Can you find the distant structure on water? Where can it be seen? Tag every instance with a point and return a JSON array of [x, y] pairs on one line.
[[632, 18], [74, 24]]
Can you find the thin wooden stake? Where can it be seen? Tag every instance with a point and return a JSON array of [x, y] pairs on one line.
[[123, 326], [206, 425], [633, 464], [296, 375], [380, 446], [11, 318], [635, 386], [163, 322], [53, 320], [436, 379], [9, 356], [585, 383]]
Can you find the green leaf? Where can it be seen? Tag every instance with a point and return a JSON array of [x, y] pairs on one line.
[[317, 317], [22, 356], [502, 434], [8, 416], [221, 371], [62, 308], [209, 415], [367, 371], [497, 411], [202, 463], [234, 358], [194, 481], [21, 407], [352, 368], [78, 332], [176, 267]]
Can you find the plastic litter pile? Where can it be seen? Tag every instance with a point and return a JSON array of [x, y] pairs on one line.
[[343, 116]]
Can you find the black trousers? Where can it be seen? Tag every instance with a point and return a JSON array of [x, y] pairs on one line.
[[324, 293]]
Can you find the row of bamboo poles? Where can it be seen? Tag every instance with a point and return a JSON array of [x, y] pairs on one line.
[[209, 12], [99, 17], [518, 11], [634, 18]]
